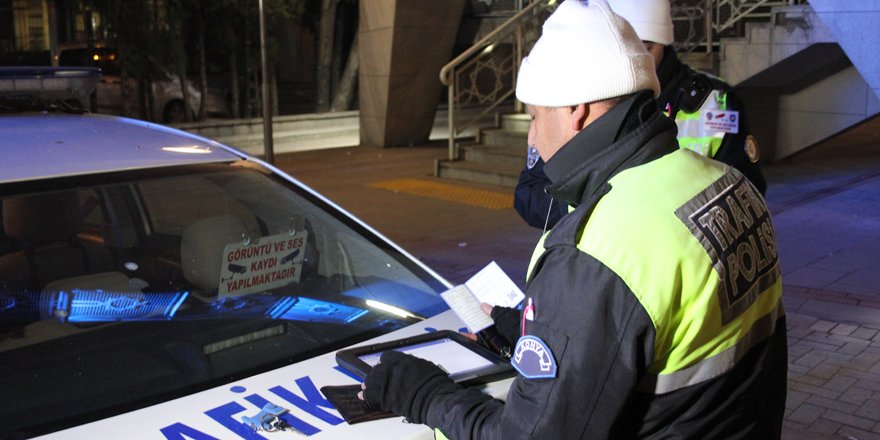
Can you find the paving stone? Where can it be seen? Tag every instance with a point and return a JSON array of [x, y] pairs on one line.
[[810, 360], [794, 398], [808, 379], [796, 351], [844, 329], [865, 333], [816, 345], [848, 419], [833, 404], [867, 358], [824, 426], [869, 384], [851, 433], [825, 338], [853, 348], [799, 369], [863, 375], [823, 326], [840, 383], [843, 339], [835, 357], [855, 395], [806, 414], [798, 332], [870, 410], [824, 371], [818, 391], [789, 427]]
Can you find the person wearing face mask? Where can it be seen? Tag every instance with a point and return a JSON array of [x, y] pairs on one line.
[[654, 307], [709, 114]]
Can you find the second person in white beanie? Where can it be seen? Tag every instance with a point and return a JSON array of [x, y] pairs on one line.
[[687, 95], [654, 307]]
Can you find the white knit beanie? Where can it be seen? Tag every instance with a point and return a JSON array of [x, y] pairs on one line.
[[586, 53], [650, 18]]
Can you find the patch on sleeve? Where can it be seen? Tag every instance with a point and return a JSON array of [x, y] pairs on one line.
[[533, 359], [751, 148]]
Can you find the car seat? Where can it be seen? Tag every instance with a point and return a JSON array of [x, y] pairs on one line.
[[45, 227], [201, 249]]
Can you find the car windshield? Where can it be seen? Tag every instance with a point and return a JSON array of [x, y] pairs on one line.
[[126, 289]]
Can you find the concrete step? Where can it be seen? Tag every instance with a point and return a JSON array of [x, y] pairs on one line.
[[494, 155], [500, 137], [516, 122], [493, 174]]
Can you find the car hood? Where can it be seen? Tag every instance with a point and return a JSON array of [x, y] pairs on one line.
[[217, 412]]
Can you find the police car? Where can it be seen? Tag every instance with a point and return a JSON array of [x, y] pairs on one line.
[[157, 284]]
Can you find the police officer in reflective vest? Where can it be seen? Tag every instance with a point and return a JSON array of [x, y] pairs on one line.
[[654, 308], [709, 114]]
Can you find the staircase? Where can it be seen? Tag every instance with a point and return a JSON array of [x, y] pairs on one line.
[[496, 158], [485, 73], [806, 72]]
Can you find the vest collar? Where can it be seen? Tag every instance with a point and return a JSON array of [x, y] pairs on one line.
[[646, 135], [611, 144]]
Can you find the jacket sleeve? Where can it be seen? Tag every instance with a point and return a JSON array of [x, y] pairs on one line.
[[532, 202], [601, 341], [732, 150]]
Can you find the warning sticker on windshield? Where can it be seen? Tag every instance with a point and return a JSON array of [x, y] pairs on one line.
[[272, 262]]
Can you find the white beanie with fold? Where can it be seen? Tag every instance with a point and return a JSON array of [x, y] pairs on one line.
[[586, 53], [651, 19]]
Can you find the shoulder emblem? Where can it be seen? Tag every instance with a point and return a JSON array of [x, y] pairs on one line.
[[533, 359], [751, 147]]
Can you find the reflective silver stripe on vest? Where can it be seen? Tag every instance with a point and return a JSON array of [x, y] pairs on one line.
[[717, 365]]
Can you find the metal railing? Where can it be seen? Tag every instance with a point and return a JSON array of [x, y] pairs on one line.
[[484, 75], [697, 30]]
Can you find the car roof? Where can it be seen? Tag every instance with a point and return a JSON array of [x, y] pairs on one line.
[[47, 145]]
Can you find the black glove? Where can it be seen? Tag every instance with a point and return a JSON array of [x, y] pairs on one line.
[[507, 322], [406, 385]]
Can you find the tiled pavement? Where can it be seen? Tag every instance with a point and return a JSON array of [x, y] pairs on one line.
[[826, 211], [833, 380]]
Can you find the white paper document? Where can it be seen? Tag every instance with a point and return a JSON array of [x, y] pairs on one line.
[[491, 286]]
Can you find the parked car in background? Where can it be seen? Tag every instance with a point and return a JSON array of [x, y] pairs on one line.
[[167, 94], [157, 284]]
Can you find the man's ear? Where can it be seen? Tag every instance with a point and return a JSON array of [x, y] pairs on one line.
[[579, 115]]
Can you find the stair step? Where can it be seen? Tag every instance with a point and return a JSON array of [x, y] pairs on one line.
[[493, 174], [516, 122], [504, 138], [490, 154]]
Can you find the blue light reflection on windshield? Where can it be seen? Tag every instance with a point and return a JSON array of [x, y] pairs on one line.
[[102, 306], [80, 306]]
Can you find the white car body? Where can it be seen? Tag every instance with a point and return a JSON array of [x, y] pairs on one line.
[[42, 148]]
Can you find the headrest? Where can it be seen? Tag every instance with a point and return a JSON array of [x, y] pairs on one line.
[[107, 281], [201, 248], [42, 218]]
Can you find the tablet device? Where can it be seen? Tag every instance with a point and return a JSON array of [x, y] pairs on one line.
[[466, 361]]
